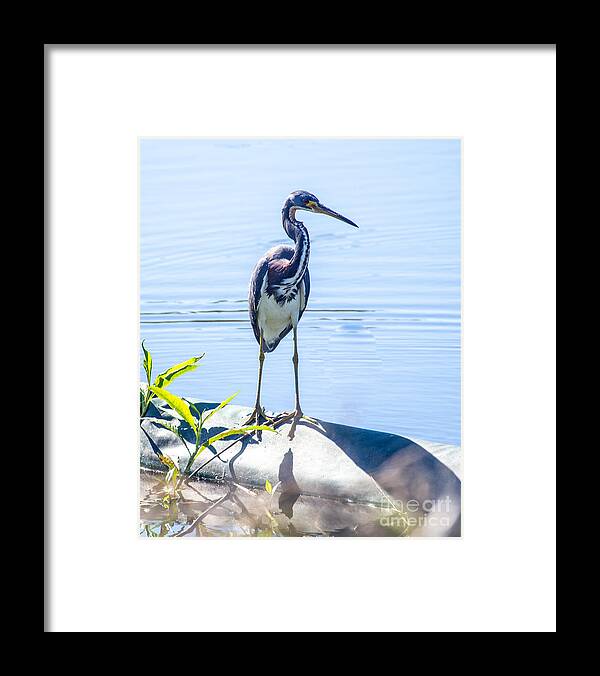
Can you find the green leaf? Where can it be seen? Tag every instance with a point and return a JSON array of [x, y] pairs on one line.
[[177, 404], [231, 433], [167, 425], [147, 363], [220, 406], [195, 410], [166, 377], [268, 487]]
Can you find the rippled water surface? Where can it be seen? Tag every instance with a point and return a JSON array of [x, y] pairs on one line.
[[380, 340]]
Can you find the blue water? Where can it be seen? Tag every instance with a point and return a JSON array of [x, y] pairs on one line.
[[380, 341]]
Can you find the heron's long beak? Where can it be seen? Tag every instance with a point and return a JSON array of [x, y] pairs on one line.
[[321, 209]]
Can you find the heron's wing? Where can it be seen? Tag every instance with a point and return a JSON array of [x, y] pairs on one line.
[[281, 251], [257, 282], [272, 260]]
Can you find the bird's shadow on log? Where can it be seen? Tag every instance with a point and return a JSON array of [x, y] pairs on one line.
[[290, 491]]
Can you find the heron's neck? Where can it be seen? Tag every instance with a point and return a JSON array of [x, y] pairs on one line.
[[297, 231]]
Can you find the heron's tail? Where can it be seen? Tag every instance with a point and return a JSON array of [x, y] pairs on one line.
[[270, 346]]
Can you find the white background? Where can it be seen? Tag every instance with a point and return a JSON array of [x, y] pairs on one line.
[[500, 575]]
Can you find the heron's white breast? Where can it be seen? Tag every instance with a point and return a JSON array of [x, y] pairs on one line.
[[273, 318]]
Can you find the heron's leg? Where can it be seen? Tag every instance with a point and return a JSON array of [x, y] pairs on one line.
[[298, 412], [258, 413], [261, 361]]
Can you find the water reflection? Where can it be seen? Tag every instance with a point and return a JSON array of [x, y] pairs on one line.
[[204, 509]]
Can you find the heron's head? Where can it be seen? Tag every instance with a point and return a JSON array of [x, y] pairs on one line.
[[306, 201]]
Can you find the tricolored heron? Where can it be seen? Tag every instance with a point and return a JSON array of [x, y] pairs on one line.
[[279, 291]]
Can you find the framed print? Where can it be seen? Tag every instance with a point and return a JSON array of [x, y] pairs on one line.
[[300, 336]]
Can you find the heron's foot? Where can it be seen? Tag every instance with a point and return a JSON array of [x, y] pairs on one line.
[[281, 418], [295, 417], [258, 417]]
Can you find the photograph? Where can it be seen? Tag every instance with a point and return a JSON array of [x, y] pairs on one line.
[[300, 337]]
